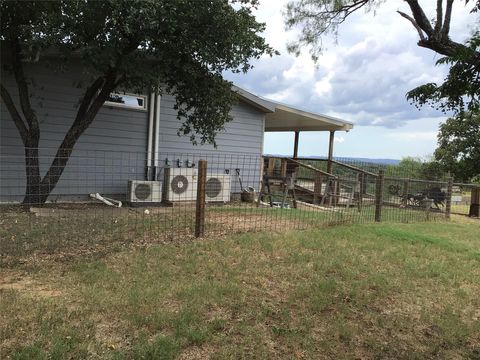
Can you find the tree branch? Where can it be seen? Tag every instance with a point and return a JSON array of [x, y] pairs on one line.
[[85, 117], [80, 124], [108, 86], [414, 23], [94, 98], [446, 22], [420, 17], [349, 9], [22, 85], [447, 48], [120, 79], [436, 41], [17, 119], [91, 91], [438, 22]]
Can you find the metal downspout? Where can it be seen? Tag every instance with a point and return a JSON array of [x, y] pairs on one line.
[[151, 110], [156, 141]]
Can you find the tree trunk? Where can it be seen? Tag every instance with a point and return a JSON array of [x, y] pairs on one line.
[[37, 189], [33, 189], [32, 168], [55, 171], [84, 118]]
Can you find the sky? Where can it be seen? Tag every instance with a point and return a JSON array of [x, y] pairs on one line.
[[362, 76]]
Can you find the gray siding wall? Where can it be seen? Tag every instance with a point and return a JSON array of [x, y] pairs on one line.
[[111, 151], [243, 135], [113, 148], [239, 146]]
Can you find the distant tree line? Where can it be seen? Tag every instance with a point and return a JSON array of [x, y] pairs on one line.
[[442, 165], [417, 168]]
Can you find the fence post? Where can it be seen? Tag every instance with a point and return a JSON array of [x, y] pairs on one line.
[[317, 187], [360, 187], [474, 202], [270, 166], [448, 200], [364, 183], [200, 204], [283, 167], [379, 196], [406, 189]]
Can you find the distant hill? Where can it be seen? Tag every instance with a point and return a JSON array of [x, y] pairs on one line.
[[372, 161], [356, 160]]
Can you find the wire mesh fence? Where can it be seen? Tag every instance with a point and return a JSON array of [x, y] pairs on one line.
[[465, 199], [105, 200]]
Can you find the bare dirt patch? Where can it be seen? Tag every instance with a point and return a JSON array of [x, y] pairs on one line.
[[463, 219], [226, 223], [26, 285], [196, 353], [71, 231]]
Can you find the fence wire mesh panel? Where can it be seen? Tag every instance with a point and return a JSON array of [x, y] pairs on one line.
[[103, 200], [465, 199], [354, 185]]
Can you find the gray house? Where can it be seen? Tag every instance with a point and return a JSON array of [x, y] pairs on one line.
[[134, 136]]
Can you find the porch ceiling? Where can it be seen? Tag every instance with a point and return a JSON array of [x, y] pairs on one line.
[[286, 118]]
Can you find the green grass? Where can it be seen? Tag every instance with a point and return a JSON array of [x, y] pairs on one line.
[[97, 230], [312, 216], [70, 232], [461, 208], [360, 291]]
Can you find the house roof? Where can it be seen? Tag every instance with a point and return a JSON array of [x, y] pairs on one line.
[[282, 117], [254, 100], [288, 118]]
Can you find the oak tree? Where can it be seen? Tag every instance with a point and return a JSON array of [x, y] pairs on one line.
[[458, 148], [178, 46]]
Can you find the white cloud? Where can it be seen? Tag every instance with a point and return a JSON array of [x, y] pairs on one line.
[[281, 96], [363, 77], [414, 136], [324, 87], [302, 68]]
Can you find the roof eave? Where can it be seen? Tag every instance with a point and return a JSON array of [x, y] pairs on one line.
[[325, 118], [253, 100]]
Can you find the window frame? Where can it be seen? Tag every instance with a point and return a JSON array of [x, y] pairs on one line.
[[126, 106]]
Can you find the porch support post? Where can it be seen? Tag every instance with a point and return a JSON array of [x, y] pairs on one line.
[[295, 145], [330, 152]]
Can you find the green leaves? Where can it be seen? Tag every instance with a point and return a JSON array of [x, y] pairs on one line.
[[182, 46], [318, 18], [459, 145], [461, 89]]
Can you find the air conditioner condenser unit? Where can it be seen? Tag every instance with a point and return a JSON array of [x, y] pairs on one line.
[[140, 191], [218, 188], [180, 184]]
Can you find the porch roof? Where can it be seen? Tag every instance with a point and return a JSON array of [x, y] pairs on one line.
[[288, 118], [281, 117]]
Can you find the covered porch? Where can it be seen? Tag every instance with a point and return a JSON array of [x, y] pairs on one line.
[[289, 119], [284, 118], [295, 175]]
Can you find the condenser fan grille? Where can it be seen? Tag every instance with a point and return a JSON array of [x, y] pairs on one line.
[[213, 187], [179, 184], [142, 191]]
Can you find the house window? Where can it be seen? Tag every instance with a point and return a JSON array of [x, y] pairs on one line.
[[129, 101]]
